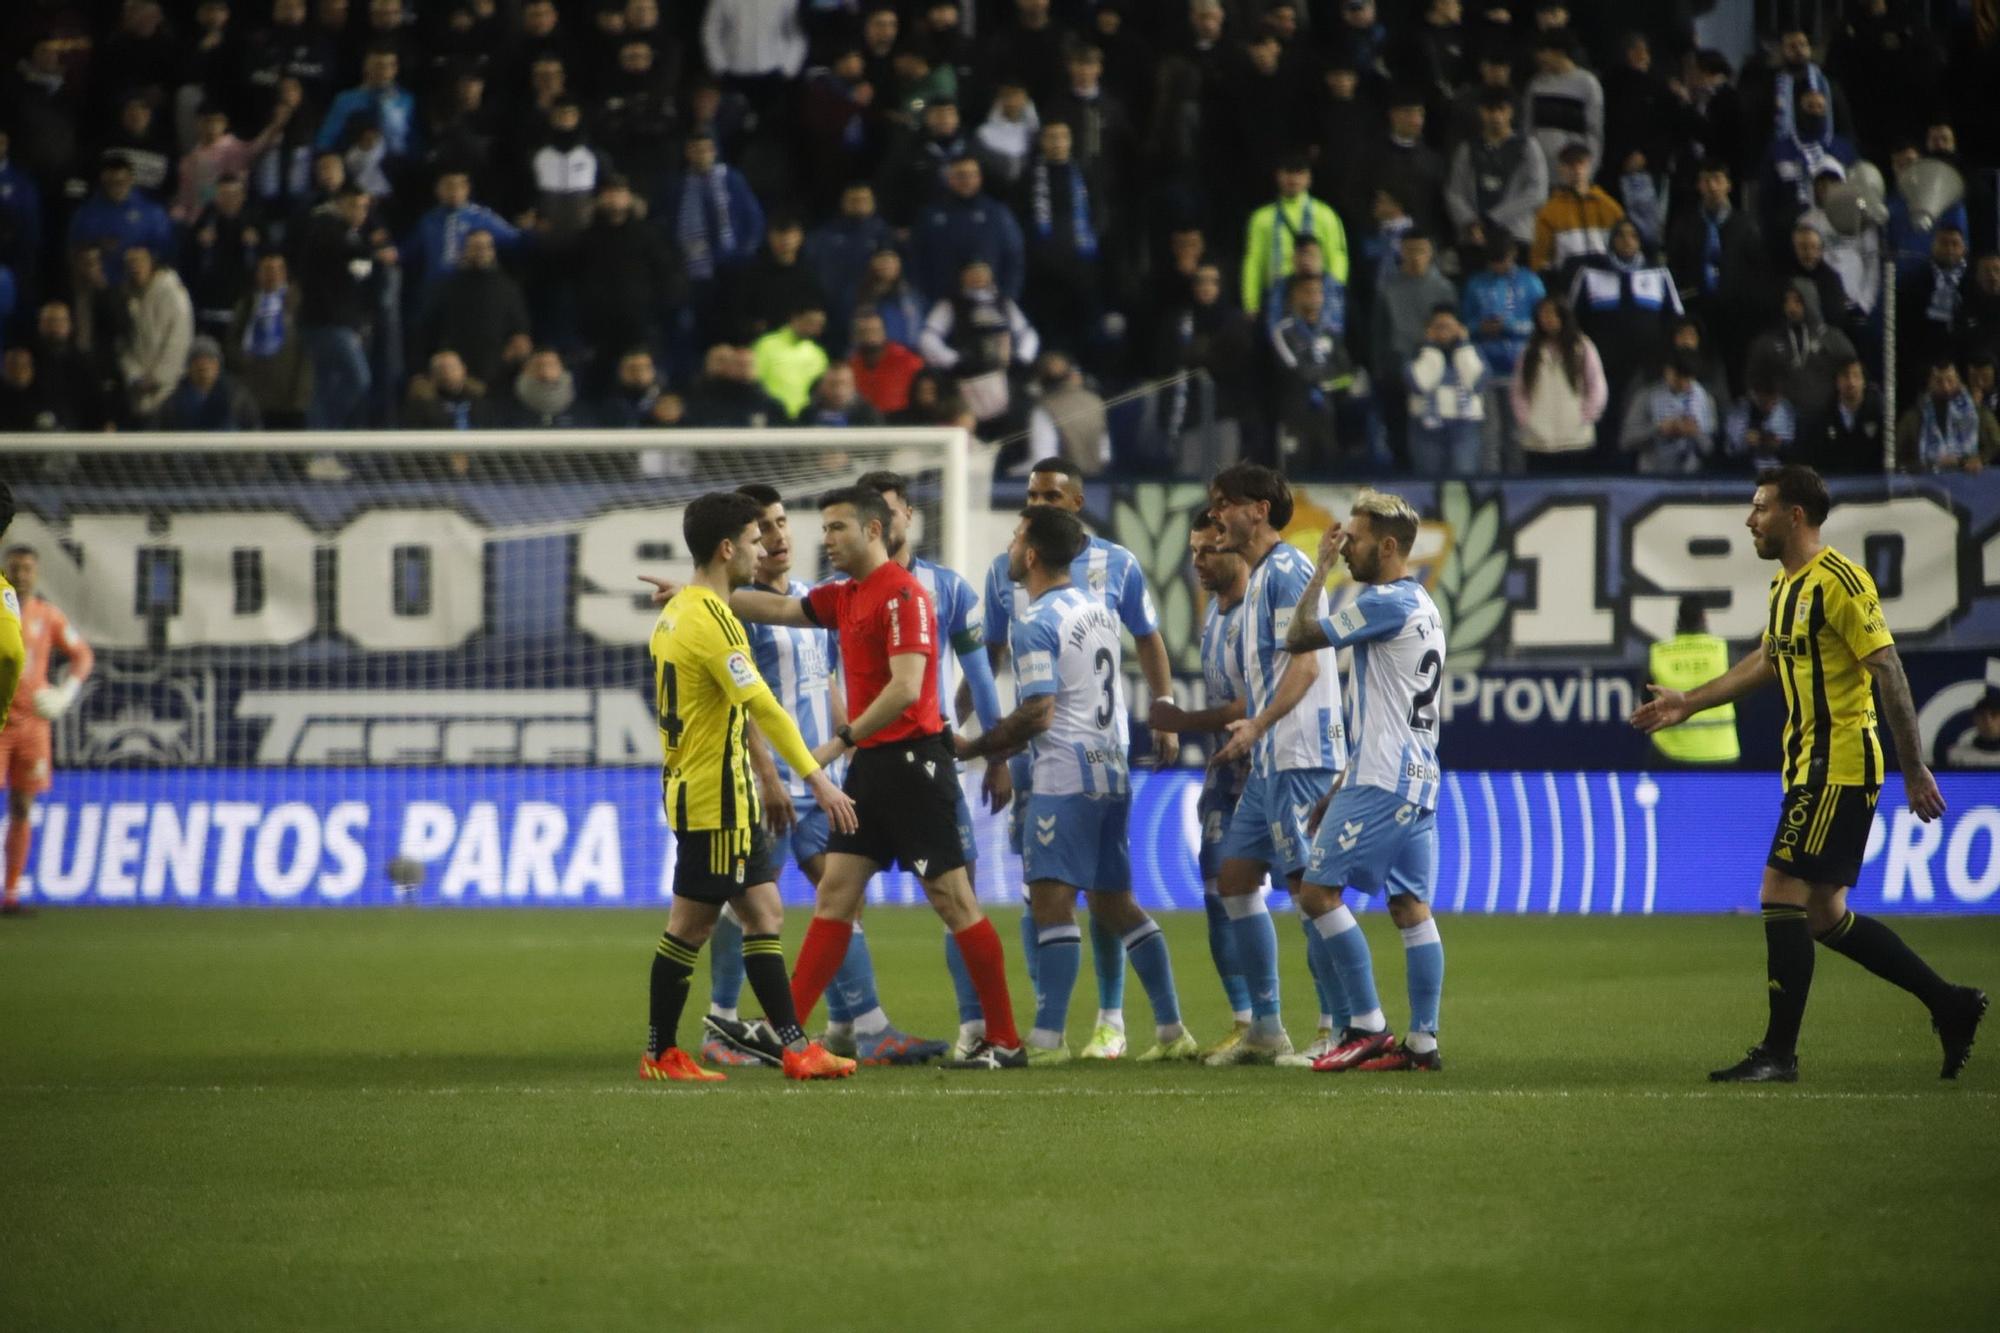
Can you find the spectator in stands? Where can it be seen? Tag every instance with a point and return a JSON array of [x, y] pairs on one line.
[[1565, 101], [1670, 423], [1910, 246], [1445, 381], [1847, 438], [761, 295], [964, 226], [840, 121], [1713, 117], [206, 399], [1979, 745], [1761, 428], [477, 311], [789, 359], [1267, 244], [29, 402], [635, 392], [1404, 165], [339, 265], [1982, 380], [1313, 370], [1930, 307], [1625, 304], [218, 154], [1716, 255], [755, 47], [1499, 179], [1068, 420], [1498, 306], [728, 396], [378, 96], [264, 349], [713, 215], [1204, 335], [1576, 222], [1031, 44], [980, 336], [1104, 142], [1887, 61], [116, 216], [1856, 261], [545, 395], [838, 250], [565, 168], [913, 174], [41, 100], [86, 386], [144, 141], [1793, 75], [1558, 394], [899, 305], [1802, 352], [20, 218], [1641, 119], [1402, 314], [1436, 58], [1062, 212], [1308, 261], [834, 401], [628, 278], [1979, 313], [446, 398], [435, 245], [220, 255], [1007, 138], [1796, 157], [882, 369], [1688, 335], [637, 116], [153, 355], [1344, 115], [1946, 430]]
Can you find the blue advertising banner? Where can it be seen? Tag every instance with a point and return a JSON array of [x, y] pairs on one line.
[[1509, 842]]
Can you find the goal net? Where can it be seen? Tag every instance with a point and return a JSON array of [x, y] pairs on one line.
[[392, 667]]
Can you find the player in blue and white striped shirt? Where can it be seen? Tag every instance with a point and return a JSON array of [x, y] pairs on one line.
[[1291, 731], [1110, 573], [1378, 834], [798, 666], [1073, 720]]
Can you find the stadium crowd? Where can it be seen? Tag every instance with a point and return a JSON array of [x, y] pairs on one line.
[[1391, 235]]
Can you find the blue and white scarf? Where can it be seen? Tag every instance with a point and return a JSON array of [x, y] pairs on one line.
[[264, 335], [702, 250], [1947, 292], [1787, 102], [1082, 234], [1955, 435], [1711, 250]]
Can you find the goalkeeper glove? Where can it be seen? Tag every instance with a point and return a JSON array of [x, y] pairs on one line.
[[53, 701]]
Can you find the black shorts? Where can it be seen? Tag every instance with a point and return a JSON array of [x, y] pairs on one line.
[[906, 800], [1823, 833], [715, 865]]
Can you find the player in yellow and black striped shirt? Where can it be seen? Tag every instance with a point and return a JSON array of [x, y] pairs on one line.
[[1827, 645], [707, 690]]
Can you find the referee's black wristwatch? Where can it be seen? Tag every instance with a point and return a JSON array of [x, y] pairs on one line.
[[846, 735]]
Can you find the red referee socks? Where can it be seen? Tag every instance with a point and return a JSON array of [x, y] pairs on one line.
[[824, 950], [979, 944]]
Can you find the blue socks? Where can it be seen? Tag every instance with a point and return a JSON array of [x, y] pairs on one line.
[[1060, 950], [1107, 955], [1347, 948], [1423, 951], [725, 964], [1256, 941], [1326, 980], [1147, 948], [1222, 949], [852, 991], [961, 980]]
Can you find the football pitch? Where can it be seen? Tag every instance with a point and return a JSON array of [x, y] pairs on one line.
[[415, 1119]]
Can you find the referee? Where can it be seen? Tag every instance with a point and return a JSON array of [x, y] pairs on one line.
[[1827, 646], [903, 779], [707, 690]]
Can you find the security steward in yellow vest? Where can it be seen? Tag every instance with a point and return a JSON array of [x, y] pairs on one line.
[[1691, 657]]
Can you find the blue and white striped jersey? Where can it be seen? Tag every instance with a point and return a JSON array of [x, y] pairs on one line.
[[1312, 734], [1399, 649], [1067, 645], [798, 666], [1105, 570], [1222, 671], [957, 609]]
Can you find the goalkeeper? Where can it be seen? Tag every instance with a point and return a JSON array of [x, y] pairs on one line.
[[27, 741]]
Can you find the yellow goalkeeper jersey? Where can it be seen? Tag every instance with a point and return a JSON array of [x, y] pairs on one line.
[[13, 651], [704, 679], [1824, 621]]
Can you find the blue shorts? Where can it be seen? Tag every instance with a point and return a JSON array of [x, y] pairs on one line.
[[1270, 820], [1375, 841], [807, 838], [1079, 840], [1211, 813]]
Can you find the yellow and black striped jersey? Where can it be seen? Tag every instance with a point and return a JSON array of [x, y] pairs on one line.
[[1824, 620], [704, 678]]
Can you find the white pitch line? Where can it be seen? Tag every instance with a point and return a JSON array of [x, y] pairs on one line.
[[1346, 1088]]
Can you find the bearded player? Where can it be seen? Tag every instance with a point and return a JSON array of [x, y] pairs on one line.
[[27, 743]]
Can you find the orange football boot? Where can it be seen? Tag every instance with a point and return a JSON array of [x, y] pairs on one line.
[[816, 1061], [677, 1066]]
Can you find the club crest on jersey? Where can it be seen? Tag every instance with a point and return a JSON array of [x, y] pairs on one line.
[[1096, 579], [12, 602]]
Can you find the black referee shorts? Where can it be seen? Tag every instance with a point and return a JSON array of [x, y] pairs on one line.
[[906, 800], [714, 865], [1823, 833]]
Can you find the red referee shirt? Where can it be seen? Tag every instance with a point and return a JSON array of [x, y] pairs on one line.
[[879, 617]]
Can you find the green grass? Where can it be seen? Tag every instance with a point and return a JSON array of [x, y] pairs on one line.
[[427, 1120]]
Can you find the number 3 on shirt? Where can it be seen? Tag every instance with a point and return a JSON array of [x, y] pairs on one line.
[[1104, 667]]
